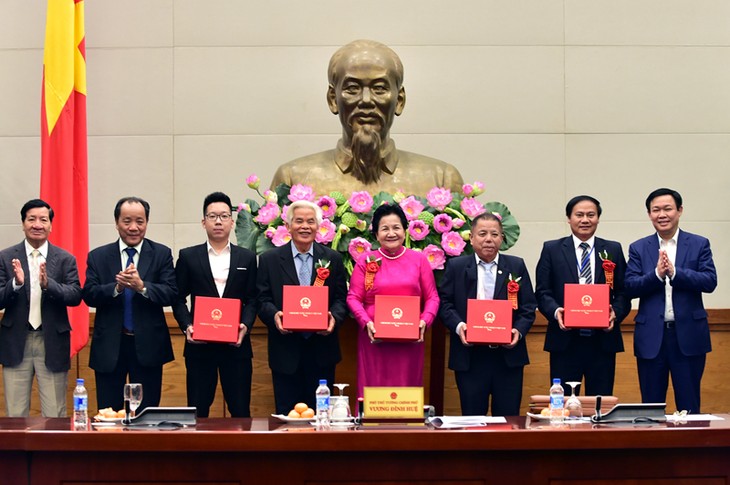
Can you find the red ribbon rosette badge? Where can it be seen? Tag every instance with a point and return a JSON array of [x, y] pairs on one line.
[[323, 272], [372, 266], [608, 267], [513, 287]]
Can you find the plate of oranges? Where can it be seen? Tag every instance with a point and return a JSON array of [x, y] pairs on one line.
[[301, 413]]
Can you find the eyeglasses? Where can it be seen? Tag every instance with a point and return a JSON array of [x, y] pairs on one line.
[[223, 217]]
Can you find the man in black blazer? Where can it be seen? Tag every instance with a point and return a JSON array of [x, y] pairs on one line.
[[129, 282], [38, 281], [581, 353], [215, 269], [484, 370], [298, 360]]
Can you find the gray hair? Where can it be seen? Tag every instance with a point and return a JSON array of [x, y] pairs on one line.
[[303, 204]]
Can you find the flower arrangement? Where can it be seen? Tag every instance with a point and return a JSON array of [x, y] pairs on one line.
[[439, 224]]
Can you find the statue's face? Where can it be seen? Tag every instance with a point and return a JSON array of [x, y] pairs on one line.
[[366, 93]]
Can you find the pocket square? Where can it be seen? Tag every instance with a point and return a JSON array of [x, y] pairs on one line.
[[241, 269]]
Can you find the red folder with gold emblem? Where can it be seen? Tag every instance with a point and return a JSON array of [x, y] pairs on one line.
[[216, 319], [586, 306], [488, 321], [306, 308], [397, 318]]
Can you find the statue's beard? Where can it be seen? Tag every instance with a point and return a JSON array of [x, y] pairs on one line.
[[367, 163]]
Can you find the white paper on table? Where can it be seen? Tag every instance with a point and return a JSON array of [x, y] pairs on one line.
[[443, 422], [694, 417]]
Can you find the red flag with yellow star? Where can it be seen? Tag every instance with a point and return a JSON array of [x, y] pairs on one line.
[[63, 142]]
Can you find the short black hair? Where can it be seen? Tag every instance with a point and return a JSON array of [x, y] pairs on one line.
[[387, 210], [487, 216], [216, 197], [131, 200], [34, 204], [664, 191], [581, 198]]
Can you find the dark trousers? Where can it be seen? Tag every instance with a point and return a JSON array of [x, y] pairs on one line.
[[300, 386], [110, 385], [584, 358], [488, 375], [686, 375], [204, 362]]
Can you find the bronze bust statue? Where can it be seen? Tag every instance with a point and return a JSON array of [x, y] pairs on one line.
[[366, 92]]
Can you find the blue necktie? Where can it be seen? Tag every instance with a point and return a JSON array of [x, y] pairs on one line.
[[305, 278], [585, 264], [585, 273], [305, 272], [489, 280], [129, 294]]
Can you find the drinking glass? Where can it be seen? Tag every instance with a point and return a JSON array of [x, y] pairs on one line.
[[133, 394], [573, 404], [341, 404]]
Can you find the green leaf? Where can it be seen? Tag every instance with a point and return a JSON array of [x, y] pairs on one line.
[[247, 231], [509, 224]]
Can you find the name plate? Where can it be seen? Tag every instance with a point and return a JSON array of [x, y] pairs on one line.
[[216, 319], [393, 402], [586, 306], [305, 308], [397, 318], [488, 321]]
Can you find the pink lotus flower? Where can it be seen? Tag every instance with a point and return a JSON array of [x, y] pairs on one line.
[[244, 207], [439, 197], [457, 223], [412, 207], [497, 215], [269, 232], [468, 189], [418, 230], [435, 255], [326, 232], [284, 210], [268, 214], [361, 225], [472, 207], [281, 236], [253, 181], [328, 206], [478, 189], [452, 243], [361, 202], [270, 196], [358, 246], [301, 192], [442, 223]]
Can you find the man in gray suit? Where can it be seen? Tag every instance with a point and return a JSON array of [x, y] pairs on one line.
[[38, 281]]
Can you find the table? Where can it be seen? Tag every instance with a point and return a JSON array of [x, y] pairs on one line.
[[42, 451]]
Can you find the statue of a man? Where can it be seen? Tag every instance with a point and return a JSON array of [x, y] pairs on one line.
[[366, 91]]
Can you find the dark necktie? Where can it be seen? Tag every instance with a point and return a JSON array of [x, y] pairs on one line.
[[585, 264], [129, 294]]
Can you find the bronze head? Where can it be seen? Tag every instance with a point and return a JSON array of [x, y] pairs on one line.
[[366, 91]]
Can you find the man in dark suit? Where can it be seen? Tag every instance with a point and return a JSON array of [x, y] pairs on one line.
[[129, 282], [668, 272], [484, 370], [215, 269], [38, 281], [580, 258], [298, 360]]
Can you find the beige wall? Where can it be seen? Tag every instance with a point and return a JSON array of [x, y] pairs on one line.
[[540, 99]]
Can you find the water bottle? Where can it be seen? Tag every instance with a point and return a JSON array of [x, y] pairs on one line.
[[323, 404], [557, 397], [81, 406]]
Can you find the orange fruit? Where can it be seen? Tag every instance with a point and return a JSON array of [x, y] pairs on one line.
[[293, 414], [300, 407], [308, 413], [545, 412]]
